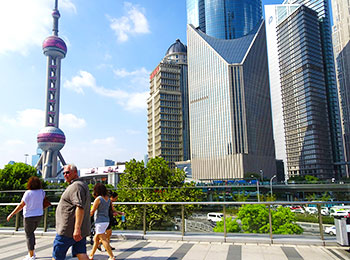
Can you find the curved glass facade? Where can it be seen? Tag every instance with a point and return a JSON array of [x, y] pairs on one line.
[[224, 19]]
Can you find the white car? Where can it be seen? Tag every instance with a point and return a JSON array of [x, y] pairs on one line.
[[297, 209], [330, 230], [339, 212], [214, 216], [324, 211], [311, 210]]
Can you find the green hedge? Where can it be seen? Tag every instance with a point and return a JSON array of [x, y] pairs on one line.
[[313, 218]]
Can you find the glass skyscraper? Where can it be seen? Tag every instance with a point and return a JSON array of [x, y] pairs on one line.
[[274, 15], [224, 19], [229, 96], [323, 12], [341, 44], [307, 131]]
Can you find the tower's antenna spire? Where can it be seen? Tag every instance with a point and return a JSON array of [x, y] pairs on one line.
[[56, 15]]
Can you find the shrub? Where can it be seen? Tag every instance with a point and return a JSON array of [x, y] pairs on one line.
[[255, 219], [231, 226]]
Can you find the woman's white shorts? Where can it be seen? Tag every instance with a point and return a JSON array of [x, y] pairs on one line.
[[100, 228]]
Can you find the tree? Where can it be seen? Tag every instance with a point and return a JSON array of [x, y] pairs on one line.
[[231, 226], [15, 176], [268, 197], [311, 179], [304, 179], [323, 197], [156, 182], [255, 219], [240, 196]]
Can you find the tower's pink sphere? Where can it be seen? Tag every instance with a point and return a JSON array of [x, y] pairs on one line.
[[54, 45], [51, 138]]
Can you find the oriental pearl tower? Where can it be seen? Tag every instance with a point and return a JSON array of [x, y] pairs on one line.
[[51, 139]]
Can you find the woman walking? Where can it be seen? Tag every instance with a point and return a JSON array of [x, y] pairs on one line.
[[100, 209], [112, 212], [32, 205]]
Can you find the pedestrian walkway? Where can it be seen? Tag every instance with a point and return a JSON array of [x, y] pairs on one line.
[[13, 247]]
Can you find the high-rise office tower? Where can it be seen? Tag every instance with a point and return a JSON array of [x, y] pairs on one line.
[[168, 117], [341, 44], [304, 99], [224, 19], [229, 97], [274, 14], [323, 13]]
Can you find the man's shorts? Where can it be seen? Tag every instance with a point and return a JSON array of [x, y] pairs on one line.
[[61, 244]]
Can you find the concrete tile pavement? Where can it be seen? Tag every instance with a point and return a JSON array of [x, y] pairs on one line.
[[13, 247]]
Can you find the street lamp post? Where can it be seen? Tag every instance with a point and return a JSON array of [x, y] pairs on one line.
[[262, 175], [271, 183], [257, 187]]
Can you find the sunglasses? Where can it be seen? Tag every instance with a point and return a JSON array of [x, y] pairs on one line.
[[66, 172]]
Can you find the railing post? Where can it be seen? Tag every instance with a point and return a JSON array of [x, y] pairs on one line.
[[225, 231], [183, 220], [17, 222], [45, 219], [320, 221], [270, 222], [144, 219]]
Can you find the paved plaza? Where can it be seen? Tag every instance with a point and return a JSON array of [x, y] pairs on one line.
[[13, 247]]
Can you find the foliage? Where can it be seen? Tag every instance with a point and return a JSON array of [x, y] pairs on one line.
[[324, 197], [231, 226], [313, 218], [15, 177], [232, 210], [341, 196], [269, 197], [240, 196], [311, 179], [305, 179], [283, 222], [255, 219], [156, 182]]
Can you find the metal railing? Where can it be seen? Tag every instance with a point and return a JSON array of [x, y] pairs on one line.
[[224, 205]]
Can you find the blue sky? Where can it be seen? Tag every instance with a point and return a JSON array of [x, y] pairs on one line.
[[113, 46]]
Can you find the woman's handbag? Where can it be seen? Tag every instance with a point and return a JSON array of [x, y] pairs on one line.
[[46, 203]]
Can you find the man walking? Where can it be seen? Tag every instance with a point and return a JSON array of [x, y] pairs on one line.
[[72, 217]]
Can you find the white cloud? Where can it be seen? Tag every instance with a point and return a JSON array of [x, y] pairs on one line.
[[134, 22], [71, 121], [130, 101], [124, 73], [91, 153], [32, 118], [13, 142], [26, 118], [138, 78], [67, 5], [104, 141], [24, 24], [83, 80]]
